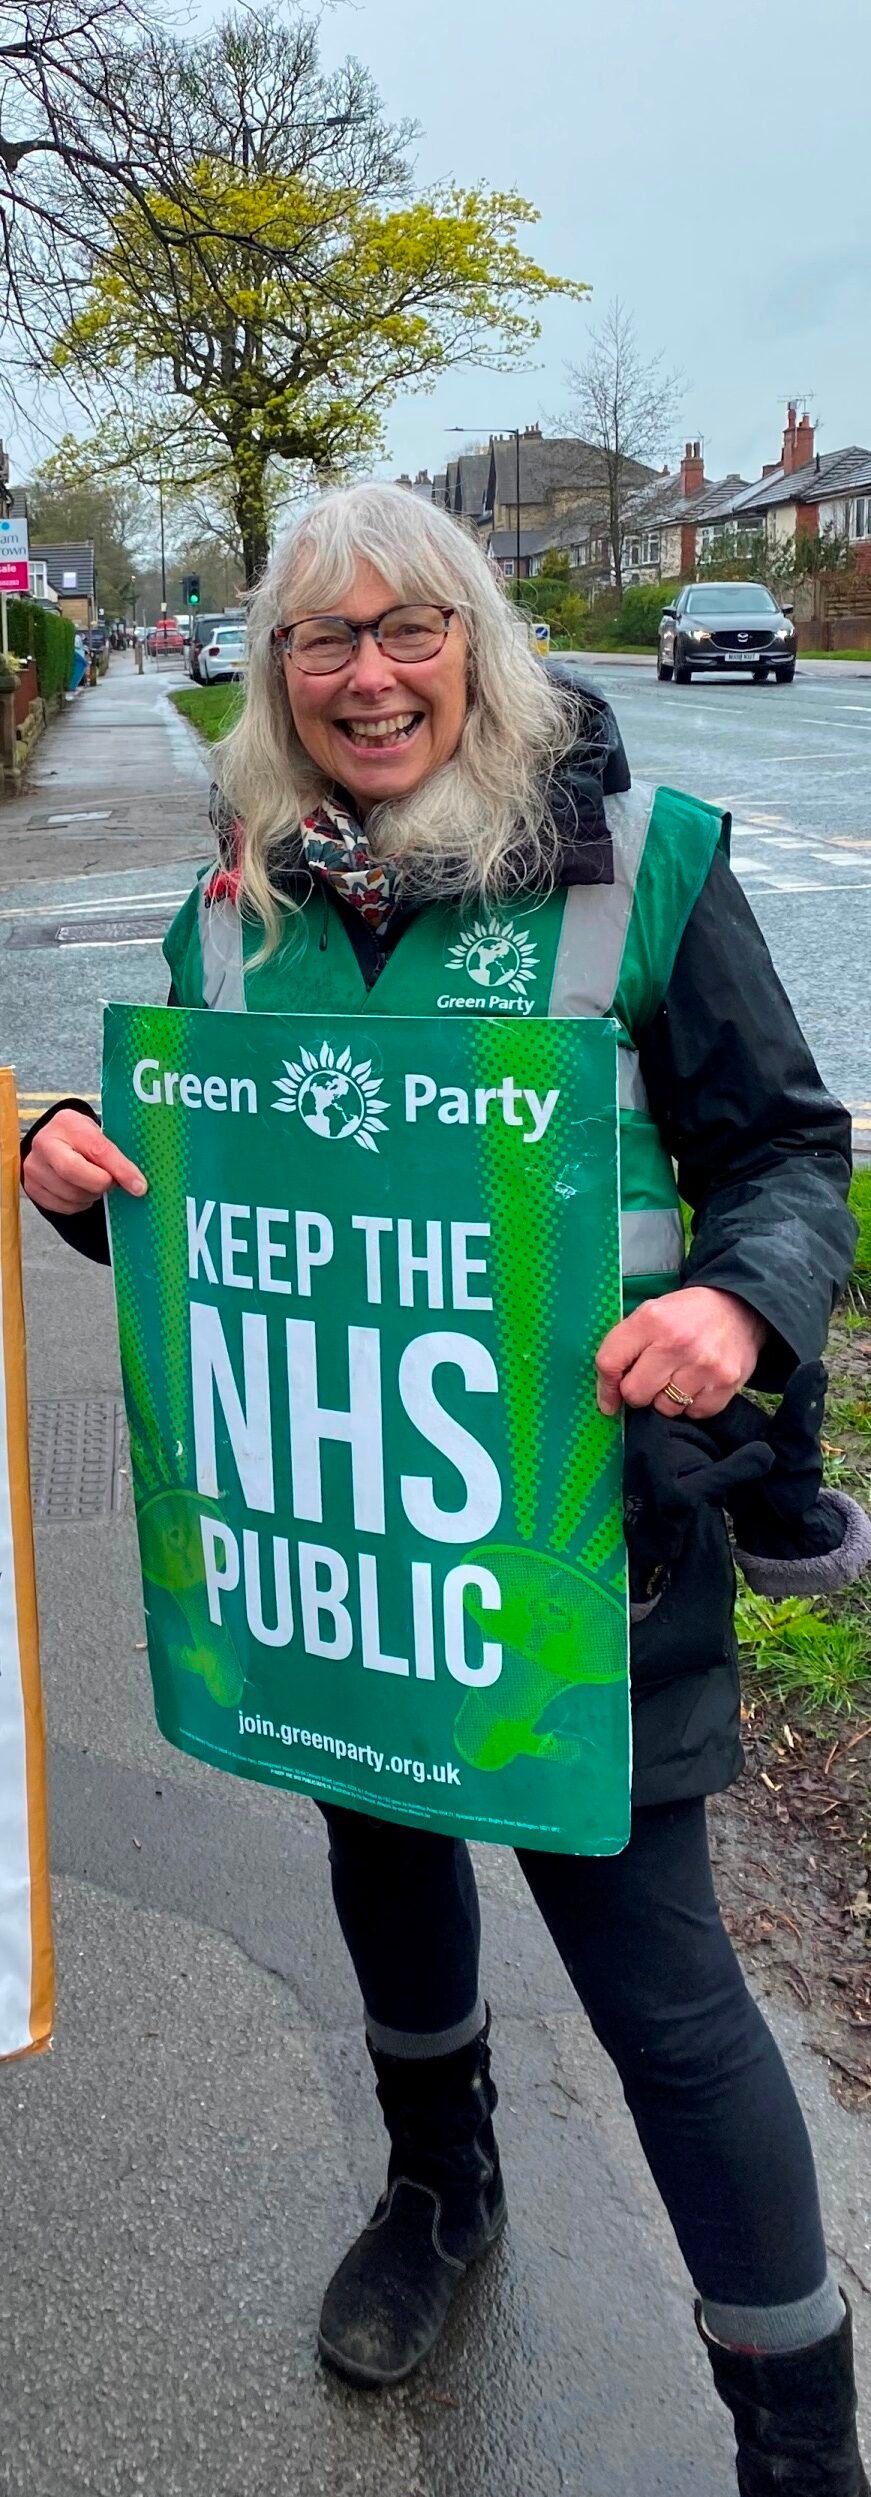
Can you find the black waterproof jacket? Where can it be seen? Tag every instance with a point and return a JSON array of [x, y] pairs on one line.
[[762, 1153]]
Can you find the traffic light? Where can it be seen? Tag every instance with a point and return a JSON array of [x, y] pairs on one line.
[[194, 590]]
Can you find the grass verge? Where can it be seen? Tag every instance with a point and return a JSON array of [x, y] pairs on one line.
[[837, 654], [211, 709], [815, 1654]]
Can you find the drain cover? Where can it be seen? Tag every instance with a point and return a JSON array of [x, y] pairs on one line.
[[136, 928], [80, 1466]]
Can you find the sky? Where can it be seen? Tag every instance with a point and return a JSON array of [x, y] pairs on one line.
[[711, 166]]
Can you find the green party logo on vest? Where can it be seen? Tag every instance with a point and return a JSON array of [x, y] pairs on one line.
[[500, 959], [334, 1098]]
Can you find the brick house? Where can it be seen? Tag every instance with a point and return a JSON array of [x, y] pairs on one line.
[[463, 488], [71, 573], [563, 499], [808, 491], [423, 485], [669, 522]]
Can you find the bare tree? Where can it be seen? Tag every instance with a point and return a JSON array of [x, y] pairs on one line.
[[627, 407]]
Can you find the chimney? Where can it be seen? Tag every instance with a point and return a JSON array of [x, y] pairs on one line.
[[423, 477], [770, 468], [804, 442], [692, 469]]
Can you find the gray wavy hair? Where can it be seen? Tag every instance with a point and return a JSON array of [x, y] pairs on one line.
[[481, 822]]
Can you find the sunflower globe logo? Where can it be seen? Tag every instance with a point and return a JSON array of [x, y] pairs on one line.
[[496, 955], [335, 1098]]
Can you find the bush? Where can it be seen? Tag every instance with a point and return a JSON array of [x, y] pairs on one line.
[[37, 633], [640, 611]]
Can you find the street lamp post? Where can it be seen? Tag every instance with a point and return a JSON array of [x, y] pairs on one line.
[[162, 544], [511, 434]]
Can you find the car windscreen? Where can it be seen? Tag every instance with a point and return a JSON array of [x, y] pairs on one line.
[[731, 598]]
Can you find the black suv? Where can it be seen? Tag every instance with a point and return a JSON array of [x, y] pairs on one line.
[[726, 625]]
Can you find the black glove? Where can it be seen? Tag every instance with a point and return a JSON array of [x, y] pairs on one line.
[[670, 1470], [791, 1536]]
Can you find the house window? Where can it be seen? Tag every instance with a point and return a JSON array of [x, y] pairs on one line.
[[633, 551], [508, 567], [651, 547], [860, 517], [534, 566]]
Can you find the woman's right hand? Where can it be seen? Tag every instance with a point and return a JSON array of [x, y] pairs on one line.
[[71, 1163]]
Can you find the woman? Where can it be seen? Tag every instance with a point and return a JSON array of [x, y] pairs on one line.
[[401, 756]]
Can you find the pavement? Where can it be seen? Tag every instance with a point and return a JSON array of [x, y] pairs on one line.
[[179, 2175]]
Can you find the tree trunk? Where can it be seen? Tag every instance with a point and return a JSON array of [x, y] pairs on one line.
[[249, 503], [615, 522], [617, 553]]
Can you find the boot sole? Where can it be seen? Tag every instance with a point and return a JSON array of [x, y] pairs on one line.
[[370, 2380]]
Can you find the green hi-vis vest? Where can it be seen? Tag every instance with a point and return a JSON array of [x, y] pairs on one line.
[[598, 950]]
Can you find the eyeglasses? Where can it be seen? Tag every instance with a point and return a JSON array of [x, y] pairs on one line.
[[321, 645]]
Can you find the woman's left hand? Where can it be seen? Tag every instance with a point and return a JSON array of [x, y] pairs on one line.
[[705, 1343]]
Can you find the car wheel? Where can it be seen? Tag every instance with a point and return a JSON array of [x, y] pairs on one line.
[[664, 670], [784, 676], [682, 674]]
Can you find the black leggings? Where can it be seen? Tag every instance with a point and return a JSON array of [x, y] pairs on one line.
[[642, 1939]]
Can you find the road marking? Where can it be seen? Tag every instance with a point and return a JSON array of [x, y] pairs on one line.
[[85, 815], [97, 905], [770, 856]]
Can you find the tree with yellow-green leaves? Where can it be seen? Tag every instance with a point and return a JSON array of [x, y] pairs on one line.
[[247, 316]]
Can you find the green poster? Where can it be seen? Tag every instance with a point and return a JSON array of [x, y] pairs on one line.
[[379, 1513]]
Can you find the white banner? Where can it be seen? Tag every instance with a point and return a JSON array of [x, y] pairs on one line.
[[26, 1962]]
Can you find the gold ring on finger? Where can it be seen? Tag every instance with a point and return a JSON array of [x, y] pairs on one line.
[[676, 1395]]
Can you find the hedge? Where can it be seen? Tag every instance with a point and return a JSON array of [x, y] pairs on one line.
[[38, 633], [640, 612]]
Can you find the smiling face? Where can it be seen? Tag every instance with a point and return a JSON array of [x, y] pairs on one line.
[[418, 709]]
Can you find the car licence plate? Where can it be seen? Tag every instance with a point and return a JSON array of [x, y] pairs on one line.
[[740, 657]]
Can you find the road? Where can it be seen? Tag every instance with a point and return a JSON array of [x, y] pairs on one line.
[[179, 2176], [793, 765]]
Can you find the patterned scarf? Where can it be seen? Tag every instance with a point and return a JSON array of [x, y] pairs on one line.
[[335, 847]]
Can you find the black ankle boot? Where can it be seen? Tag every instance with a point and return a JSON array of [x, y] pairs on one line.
[[795, 2416], [443, 2208]]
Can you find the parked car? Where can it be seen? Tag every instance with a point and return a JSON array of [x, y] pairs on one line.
[[201, 632], [726, 626], [164, 636], [224, 654]]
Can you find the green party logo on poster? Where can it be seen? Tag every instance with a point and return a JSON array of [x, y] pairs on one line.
[[379, 1513], [335, 1098]]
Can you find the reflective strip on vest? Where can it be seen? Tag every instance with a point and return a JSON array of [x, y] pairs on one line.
[[592, 943], [220, 928], [652, 1242], [631, 1087], [596, 916]]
